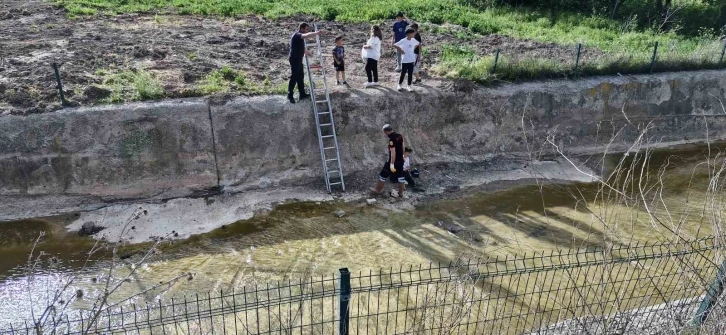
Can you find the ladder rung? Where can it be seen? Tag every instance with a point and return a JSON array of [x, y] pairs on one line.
[[331, 160], [327, 136], [326, 124], [328, 148], [322, 101], [333, 171], [337, 183]]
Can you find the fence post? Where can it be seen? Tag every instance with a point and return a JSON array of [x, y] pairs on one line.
[[712, 294], [577, 58], [60, 85], [655, 53], [344, 311], [496, 60], [720, 61]]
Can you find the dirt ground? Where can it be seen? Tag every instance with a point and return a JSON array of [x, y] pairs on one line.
[[180, 50]]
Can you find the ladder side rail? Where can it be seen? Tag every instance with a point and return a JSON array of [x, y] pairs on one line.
[[330, 110], [317, 121]]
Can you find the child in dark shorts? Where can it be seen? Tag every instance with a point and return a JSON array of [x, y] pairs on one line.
[[339, 60]]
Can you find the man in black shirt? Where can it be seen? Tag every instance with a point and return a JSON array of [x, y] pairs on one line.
[[297, 53], [393, 169]]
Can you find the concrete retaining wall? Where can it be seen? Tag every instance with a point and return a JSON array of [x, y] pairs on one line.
[[113, 152], [171, 149]]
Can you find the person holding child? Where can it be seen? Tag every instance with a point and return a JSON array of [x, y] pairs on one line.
[[399, 33], [371, 52], [393, 168]]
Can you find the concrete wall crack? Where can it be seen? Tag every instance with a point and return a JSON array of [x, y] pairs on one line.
[[214, 145]]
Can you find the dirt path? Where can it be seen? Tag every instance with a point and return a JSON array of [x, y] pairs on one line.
[[180, 50]]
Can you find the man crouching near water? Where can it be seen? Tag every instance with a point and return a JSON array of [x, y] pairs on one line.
[[393, 169]]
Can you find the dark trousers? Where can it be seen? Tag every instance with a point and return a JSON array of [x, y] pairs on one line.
[[406, 68], [372, 70], [297, 77], [409, 179]]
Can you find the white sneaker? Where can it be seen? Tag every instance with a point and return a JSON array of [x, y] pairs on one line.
[[394, 194], [374, 84], [408, 88], [398, 87], [368, 84]]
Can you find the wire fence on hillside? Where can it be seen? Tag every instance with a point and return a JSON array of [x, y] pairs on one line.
[[626, 289], [580, 61]]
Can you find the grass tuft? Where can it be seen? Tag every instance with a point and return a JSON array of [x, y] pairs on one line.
[[132, 86]]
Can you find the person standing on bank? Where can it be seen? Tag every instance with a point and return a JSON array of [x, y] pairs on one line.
[[419, 55], [399, 33], [339, 59], [393, 168], [298, 51], [372, 53], [406, 47]]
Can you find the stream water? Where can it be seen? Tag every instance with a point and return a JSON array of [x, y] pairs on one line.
[[303, 239]]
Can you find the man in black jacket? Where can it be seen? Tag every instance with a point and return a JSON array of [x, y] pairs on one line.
[[297, 53]]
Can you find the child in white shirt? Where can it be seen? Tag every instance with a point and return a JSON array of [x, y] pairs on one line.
[[406, 47], [407, 167]]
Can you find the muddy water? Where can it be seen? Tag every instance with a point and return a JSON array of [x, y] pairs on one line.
[[304, 239]]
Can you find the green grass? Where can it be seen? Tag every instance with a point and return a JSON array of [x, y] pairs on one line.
[[571, 28], [132, 86], [627, 49], [222, 81], [463, 62], [227, 79]]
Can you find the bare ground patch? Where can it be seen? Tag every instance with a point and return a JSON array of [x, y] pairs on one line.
[[180, 51]]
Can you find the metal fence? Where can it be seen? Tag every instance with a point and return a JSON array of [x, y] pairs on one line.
[[626, 289], [578, 60]]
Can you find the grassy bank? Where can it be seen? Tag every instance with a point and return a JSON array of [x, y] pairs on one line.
[[140, 85], [462, 62], [626, 48], [572, 28]]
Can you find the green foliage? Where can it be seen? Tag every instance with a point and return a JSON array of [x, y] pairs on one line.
[[685, 16], [132, 85], [223, 80], [214, 82], [592, 27]]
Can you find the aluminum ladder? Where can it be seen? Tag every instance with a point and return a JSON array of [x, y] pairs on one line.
[[324, 123]]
